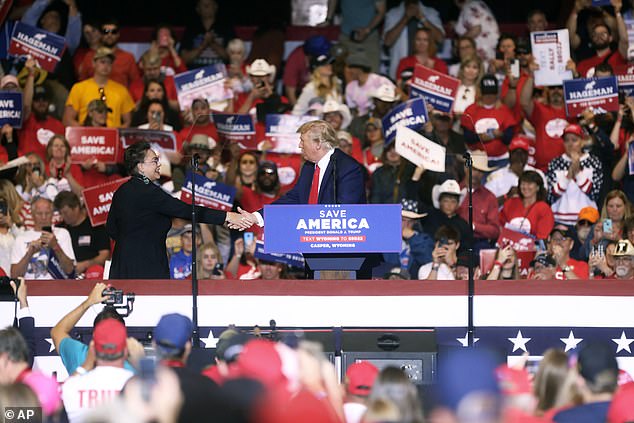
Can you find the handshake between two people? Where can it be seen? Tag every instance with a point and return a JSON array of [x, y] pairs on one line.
[[241, 220]]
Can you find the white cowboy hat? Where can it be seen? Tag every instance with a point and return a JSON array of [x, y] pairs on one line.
[[332, 106], [450, 186], [481, 161]]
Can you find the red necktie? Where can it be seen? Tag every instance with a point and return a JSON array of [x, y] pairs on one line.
[[314, 188]]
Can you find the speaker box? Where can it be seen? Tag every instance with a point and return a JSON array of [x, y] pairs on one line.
[[412, 350]]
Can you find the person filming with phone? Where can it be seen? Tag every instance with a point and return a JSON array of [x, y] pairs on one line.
[[43, 252], [444, 256]]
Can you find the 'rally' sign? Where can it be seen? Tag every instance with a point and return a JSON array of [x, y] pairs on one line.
[[625, 78], [11, 109], [600, 94], [435, 87], [419, 150], [98, 200], [166, 140], [281, 132], [207, 83], [209, 193], [87, 143], [411, 114], [235, 128], [332, 228], [45, 47]]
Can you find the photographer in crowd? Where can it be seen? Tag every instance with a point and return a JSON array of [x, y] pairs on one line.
[[444, 256]]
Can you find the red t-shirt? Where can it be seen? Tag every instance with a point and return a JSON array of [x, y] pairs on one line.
[[138, 85], [124, 68], [549, 123], [579, 268], [34, 135], [411, 62], [517, 108], [478, 119], [296, 72], [538, 219], [586, 65]]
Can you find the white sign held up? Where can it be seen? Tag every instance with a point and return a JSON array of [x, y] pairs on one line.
[[419, 150]]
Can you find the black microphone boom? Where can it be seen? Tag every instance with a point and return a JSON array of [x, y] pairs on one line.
[[195, 160]]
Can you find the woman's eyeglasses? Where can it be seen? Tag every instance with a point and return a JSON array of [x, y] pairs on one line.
[[102, 94]]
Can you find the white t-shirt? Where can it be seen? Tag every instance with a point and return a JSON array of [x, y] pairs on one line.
[[444, 272], [99, 386], [38, 265], [353, 412]]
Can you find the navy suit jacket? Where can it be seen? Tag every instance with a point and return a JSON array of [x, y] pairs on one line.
[[349, 183]]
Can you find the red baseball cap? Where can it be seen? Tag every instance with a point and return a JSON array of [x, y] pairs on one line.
[[110, 337], [519, 141], [361, 377], [573, 128], [513, 381]]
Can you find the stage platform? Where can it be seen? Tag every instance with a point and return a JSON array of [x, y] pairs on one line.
[[512, 316]]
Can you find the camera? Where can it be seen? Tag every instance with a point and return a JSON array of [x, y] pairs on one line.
[[115, 296], [156, 117], [217, 269], [443, 242], [37, 170], [3, 207], [259, 84], [6, 292]]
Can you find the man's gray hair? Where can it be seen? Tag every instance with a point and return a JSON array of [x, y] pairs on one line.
[[320, 131]]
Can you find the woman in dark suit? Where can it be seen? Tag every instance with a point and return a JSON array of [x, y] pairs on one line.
[[141, 215]]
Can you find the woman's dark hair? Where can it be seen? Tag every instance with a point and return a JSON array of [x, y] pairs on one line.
[[134, 155], [534, 177], [139, 116]]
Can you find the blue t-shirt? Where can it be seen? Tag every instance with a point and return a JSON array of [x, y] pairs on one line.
[[73, 354], [594, 412], [356, 14], [180, 265]]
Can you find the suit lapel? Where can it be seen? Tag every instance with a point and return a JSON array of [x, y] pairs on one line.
[[326, 179]]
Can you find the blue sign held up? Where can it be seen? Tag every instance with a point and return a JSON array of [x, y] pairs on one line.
[[11, 108], [411, 114], [332, 228]]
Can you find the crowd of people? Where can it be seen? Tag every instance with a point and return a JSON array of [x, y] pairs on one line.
[[552, 184], [264, 376]]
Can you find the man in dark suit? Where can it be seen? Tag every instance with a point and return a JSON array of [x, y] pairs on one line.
[[328, 176]]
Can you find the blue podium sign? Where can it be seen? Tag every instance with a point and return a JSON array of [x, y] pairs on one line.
[[332, 228]]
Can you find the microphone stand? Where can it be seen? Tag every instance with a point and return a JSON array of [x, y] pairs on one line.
[[195, 331], [471, 282]]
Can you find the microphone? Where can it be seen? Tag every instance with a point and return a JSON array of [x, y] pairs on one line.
[[334, 178], [195, 159]]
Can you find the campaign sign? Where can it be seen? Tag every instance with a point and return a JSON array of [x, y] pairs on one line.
[[519, 241], [419, 150], [411, 114], [209, 193], [11, 109], [625, 78], [164, 139], [600, 94], [45, 47], [87, 143], [293, 260], [98, 200], [281, 132], [332, 228], [551, 50], [435, 87], [207, 83], [235, 128]]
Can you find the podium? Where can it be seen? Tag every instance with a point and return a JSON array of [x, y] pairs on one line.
[[335, 239]]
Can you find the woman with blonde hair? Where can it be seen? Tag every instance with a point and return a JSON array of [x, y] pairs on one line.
[[470, 73], [323, 84], [31, 179], [66, 176], [554, 384], [617, 208], [209, 264], [11, 221]]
